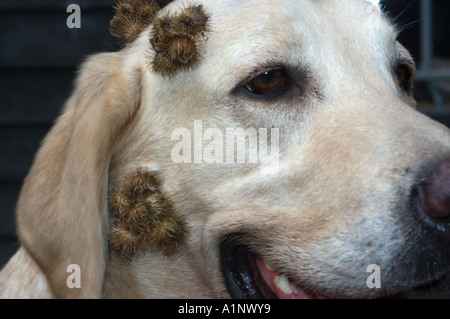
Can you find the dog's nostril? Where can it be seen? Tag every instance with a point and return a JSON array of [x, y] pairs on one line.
[[434, 193]]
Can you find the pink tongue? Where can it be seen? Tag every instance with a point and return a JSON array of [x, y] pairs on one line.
[[269, 276]]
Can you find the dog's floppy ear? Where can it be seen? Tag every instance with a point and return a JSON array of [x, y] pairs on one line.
[[62, 213]]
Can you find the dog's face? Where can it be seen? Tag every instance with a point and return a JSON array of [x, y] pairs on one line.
[[341, 190], [335, 186]]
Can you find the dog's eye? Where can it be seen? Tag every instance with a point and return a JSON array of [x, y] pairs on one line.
[[270, 82], [404, 73]]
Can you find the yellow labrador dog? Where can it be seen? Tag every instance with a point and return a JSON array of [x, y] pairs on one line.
[[239, 148]]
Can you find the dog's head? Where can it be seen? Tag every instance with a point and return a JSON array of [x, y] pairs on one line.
[[284, 135]]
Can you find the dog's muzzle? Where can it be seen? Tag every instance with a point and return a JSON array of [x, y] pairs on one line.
[[247, 275]]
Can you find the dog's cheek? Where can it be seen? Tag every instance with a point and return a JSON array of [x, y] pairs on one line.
[[143, 219]]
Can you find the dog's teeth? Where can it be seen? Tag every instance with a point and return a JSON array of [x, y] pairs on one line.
[[282, 282]]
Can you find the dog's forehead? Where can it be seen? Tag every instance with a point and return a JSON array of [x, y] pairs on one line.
[[225, 8], [234, 19], [276, 30], [262, 15], [235, 4]]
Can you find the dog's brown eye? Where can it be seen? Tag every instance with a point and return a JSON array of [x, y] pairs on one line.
[[404, 75], [267, 83]]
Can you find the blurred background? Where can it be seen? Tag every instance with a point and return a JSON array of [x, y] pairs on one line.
[[39, 58]]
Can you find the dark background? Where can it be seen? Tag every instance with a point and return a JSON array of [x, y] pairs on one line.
[[39, 56]]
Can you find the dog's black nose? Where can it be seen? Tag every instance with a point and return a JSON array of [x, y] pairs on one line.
[[434, 193]]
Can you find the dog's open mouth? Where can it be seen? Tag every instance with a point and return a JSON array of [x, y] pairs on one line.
[[249, 276]]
